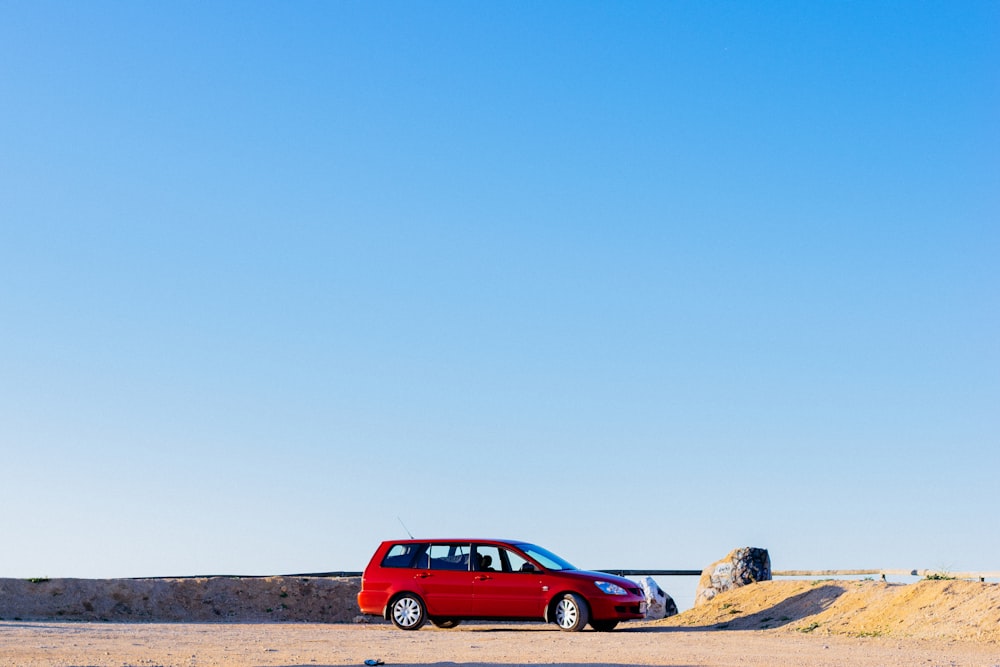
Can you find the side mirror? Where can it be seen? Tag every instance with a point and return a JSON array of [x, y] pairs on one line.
[[529, 567]]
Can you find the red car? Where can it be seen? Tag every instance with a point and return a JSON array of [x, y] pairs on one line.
[[411, 582]]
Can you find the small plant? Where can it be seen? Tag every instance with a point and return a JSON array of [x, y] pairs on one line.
[[939, 576], [38, 580], [870, 633], [809, 628]]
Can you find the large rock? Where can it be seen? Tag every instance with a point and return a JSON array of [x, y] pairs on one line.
[[658, 603], [743, 566]]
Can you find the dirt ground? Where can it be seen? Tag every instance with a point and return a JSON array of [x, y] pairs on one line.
[[775, 624], [292, 644]]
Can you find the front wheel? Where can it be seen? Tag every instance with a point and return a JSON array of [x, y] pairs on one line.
[[407, 612], [571, 613], [604, 626]]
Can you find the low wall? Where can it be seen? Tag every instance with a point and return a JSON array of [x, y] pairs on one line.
[[208, 599]]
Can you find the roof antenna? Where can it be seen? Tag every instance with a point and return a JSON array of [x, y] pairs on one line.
[[404, 527]]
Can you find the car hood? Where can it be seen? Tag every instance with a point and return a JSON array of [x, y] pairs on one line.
[[587, 575]]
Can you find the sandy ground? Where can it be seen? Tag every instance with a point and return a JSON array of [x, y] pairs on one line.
[[237, 645]]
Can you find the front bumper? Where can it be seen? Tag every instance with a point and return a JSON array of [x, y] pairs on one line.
[[617, 607]]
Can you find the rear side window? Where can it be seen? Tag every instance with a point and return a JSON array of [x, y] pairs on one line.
[[449, 556], [403, 555]]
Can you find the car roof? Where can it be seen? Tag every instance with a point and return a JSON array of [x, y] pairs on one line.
[[453, 540]]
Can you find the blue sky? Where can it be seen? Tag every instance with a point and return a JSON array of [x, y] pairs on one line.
[[641, 282]]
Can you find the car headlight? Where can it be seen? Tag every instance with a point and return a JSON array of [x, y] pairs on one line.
[[610, 588]]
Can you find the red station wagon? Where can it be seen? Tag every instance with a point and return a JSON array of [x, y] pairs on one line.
[[411, 582]]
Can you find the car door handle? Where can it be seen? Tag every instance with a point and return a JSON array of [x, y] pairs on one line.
[[422, 575], [483, 577]]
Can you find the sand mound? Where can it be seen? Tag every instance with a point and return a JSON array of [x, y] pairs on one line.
[[930, 609]]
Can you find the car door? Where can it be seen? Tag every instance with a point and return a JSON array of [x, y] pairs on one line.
[[503, 587], [445, 579]]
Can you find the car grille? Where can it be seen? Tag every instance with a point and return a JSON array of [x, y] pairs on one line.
[[635, 591]]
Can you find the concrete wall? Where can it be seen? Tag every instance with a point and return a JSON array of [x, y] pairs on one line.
[[211, 599]]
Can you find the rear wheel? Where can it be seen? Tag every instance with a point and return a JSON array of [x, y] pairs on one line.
[[571, 613], [603, 626], [445, 623], [407, 612]]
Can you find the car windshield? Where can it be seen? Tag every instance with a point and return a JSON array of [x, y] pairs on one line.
[[549, 560]]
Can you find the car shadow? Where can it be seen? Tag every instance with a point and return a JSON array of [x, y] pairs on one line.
[[492, 664], [786, 612], [534, 627]]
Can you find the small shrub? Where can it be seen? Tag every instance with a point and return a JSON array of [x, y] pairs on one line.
[[809, 628]]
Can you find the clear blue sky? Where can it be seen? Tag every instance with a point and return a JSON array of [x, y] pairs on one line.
[[641, 282]]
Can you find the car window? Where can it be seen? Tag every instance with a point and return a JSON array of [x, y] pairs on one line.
[[549, 560], [402, 555], [488, 558], [517, 563], [449, 556]]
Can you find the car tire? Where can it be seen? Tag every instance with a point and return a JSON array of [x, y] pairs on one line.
[[604, 626], [570, 613], [407, 612], [445, 623]]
